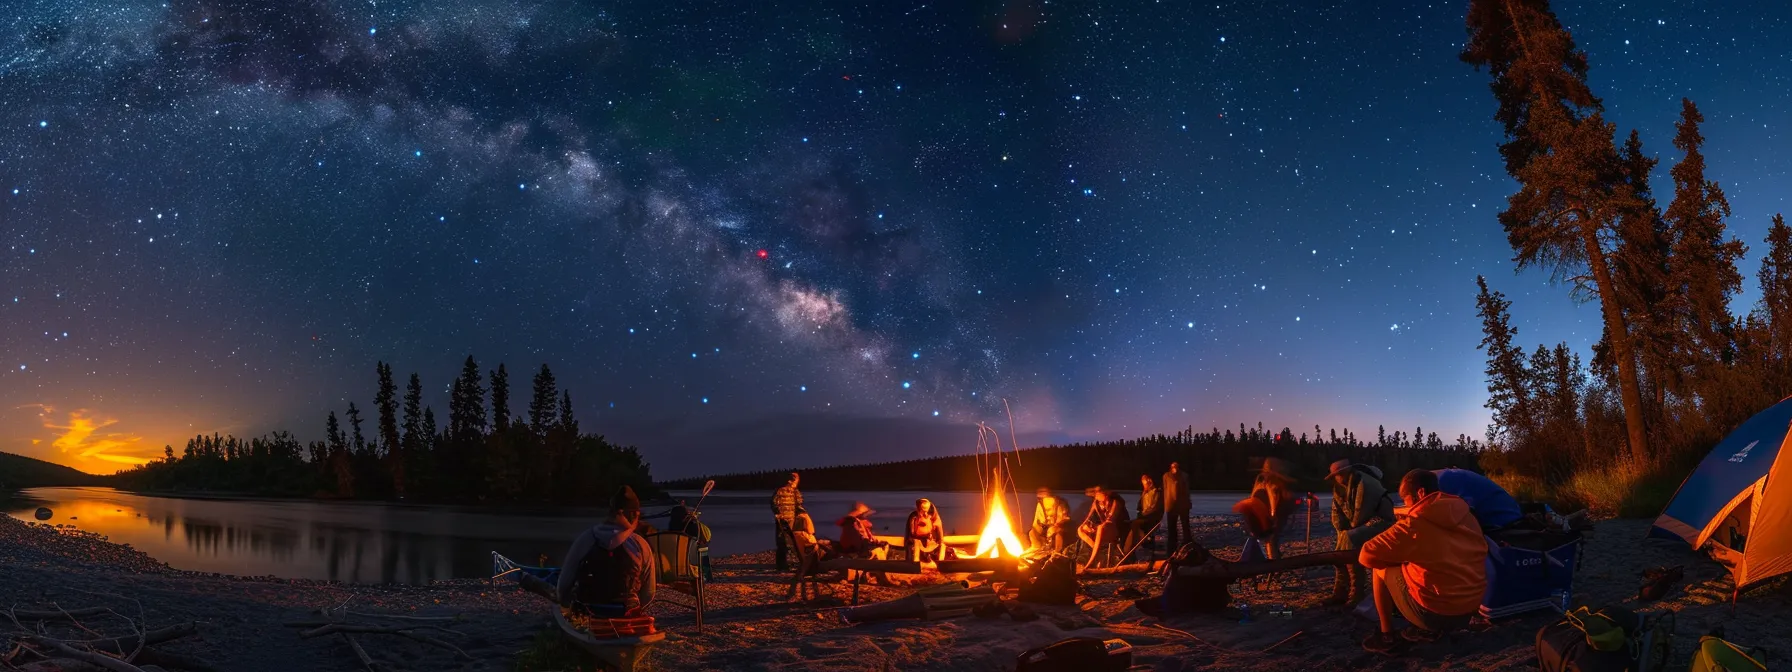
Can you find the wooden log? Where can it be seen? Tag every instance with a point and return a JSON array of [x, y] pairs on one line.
[[974, 565], [943, 614], [870, 565], [125, 644], [60, 614], [90, 657], [360, 653], [902, 607], [958, 602], [950, 540], [1120, 569]]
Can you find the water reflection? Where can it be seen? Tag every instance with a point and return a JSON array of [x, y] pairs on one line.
[[388, 543]]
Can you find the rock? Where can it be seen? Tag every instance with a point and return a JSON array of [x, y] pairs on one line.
[[44, 513]]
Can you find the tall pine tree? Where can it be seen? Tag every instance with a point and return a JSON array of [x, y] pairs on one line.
[[500, 400], [1703, 273], [1775, 305], [385, 401], [1508, 382], [542, 408], [1572, 187]]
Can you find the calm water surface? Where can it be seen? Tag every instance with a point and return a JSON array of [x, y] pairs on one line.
[[387, 543]]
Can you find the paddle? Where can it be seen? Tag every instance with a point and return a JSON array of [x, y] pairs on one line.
[[707, 486]]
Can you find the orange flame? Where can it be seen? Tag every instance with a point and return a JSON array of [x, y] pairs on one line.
[[997, 532]]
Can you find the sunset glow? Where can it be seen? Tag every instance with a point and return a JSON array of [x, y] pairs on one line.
[[86, 440]]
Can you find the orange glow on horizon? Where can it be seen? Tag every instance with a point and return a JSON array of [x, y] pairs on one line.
[[81, 440]]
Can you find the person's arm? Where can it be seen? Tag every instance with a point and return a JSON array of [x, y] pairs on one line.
[[1338, 518], [1368, 501], [776, 495], [1391, 548], [569, 568]]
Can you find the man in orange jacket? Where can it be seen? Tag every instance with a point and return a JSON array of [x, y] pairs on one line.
[[1430, 566]]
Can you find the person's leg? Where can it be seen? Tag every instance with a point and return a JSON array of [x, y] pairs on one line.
[[1272, 546], [1170, 534], [1036, 536], [781, 549], [1384, 600]]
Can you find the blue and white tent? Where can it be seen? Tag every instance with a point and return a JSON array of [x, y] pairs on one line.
[[1738, 503]]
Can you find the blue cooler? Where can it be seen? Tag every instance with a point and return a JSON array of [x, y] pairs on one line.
[[1529, 570]]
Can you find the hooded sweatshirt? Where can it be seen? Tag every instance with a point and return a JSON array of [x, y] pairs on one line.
[[1439, 550], [605, 537]]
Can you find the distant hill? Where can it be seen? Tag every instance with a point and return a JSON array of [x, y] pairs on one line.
[[18, 471], [1213, 461]]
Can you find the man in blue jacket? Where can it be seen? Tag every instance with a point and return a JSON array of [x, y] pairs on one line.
[[1494, 508]]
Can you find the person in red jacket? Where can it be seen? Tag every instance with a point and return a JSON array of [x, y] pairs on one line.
[[1429, 567]]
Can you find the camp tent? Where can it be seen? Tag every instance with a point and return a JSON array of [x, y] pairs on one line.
[[1738, 502]]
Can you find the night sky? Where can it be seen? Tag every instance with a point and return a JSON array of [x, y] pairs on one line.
[[750, 234]]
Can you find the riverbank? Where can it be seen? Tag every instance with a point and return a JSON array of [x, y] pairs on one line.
[[749, 626]]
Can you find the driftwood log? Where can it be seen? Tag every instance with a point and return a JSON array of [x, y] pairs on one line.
[[1228, 571], [922, 604]]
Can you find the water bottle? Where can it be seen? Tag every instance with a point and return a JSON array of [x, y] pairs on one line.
[[1562, 600], [1244, 610]]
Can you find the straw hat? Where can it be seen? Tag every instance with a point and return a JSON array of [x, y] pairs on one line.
[[859, 509]]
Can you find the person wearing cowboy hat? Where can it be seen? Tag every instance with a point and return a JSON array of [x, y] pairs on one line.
[[858, 540], [1361, 509]]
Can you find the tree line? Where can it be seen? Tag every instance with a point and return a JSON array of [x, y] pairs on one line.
[[1674, 369], [1213, 460], [483, 454]]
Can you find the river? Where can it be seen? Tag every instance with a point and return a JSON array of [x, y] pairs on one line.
[[369, 542]]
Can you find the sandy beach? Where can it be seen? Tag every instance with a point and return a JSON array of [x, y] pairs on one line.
[[750, 627]]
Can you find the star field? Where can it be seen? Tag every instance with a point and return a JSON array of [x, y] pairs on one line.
[[1122, 217]]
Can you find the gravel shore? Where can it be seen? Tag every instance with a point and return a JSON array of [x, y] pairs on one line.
[[749, 626]]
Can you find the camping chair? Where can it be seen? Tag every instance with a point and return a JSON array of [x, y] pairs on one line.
[[676, 557], [808, 567], [1109, 553]]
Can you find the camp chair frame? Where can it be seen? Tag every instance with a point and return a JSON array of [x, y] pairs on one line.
[[808, 566], [677, 562]]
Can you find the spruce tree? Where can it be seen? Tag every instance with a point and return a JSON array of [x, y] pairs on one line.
[[500, 400], [568, 424], [386, 403], [1508, 382], [542, 408], [354, 422], [1572, 187], [1775, 305], [1703, 273]]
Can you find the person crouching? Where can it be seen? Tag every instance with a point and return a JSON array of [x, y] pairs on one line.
[[858, 541], [1429, 566], [609, 571]]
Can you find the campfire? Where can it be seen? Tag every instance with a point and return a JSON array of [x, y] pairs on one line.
[[998, 538]]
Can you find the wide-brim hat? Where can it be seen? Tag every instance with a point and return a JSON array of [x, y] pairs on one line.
[[1277, 467], [1339, 467], [859, 509]]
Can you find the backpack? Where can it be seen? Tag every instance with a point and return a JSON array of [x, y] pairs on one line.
[[604, 575], [1077, 654], [1189, 593], [1053, 582], [1716, 655], [1612, 639]]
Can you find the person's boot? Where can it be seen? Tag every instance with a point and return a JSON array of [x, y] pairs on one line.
[[1340, 589]]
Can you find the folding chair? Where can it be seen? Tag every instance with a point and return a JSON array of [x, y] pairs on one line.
[[677, 560]]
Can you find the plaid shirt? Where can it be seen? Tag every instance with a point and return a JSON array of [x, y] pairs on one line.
[[785, 502]]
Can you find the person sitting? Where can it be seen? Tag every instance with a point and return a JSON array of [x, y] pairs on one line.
[[1051, 520], [924, 538], [609, 571], [1361, 509], [1494, 507], [803, 530], [1151, 514], [1107, 517], [858, 541], [1429, 566]]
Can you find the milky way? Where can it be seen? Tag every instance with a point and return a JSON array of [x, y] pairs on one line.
[[1124, 218]]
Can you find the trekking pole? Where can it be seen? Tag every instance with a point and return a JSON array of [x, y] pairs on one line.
[[1310, 502]]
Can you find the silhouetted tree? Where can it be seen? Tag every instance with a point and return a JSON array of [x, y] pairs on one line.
[[385, 402], [542, 408], [1703, 273], [500, 400], [1572, 185]]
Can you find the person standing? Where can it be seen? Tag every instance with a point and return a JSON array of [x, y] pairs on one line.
[[1177, 505], [786, 502], [1151, 514], [1361, 509]]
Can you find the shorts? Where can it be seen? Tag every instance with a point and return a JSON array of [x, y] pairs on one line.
[[1409, 608]]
